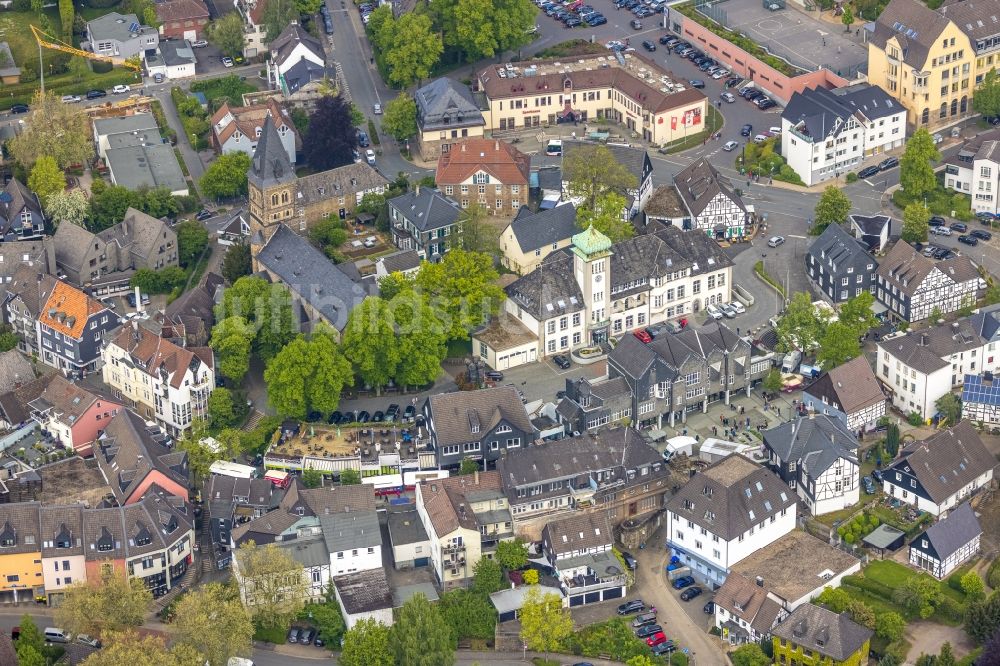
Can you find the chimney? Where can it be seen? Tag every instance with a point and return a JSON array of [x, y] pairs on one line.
[[138, 300], [923, 339], [463, 147], [760, 581], [496, 146], [416, 189]]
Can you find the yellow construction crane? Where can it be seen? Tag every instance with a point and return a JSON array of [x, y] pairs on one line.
[[48, 41]]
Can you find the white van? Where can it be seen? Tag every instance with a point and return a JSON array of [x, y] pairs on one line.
[[56, 635]]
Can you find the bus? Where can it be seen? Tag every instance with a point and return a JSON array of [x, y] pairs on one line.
[[554, 147], [235, 470]]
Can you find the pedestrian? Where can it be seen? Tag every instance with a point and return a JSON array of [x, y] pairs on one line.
[[720, 418], [743, 410], [779, 411], [737, 330]]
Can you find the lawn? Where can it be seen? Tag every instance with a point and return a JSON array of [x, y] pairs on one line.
[[941, 201], [274, 635], [231, 87], [893, 575]]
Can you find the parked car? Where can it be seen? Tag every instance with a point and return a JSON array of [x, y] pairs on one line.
[[348, 417], [708, 608], [199, 44], [877, 475], [985, 217], [363, 417], [767, 104], [981, 234], [158, 77], [643, 335], [572, 22], [683, 581], [644, 619], [633, 606], [713, 312], [727, 311], [648, 45], [959, 226], [728, 97], [363, 139], [378, 416], [775, 241], [664, 648], [88, 640], [120, 89], [667, 40], [761, 101], [597, 20], [94, 94], [392, 412], [936, 221], [70, 99], [869, 485], [370, 156], [696, 83], [730, 146], [888, 163], [293, 635], [690, 593], [942, 253], [203, 215], [941, 231], [227, 61], [656, 639], [636, 24], [130, 298], [561, 361], [307, 636], [377, 108], [409, 413], [630, 561], [868, 171], [968, 240], [760, 138], [648, 630], [736, 305], [494, 375], [733, 82]]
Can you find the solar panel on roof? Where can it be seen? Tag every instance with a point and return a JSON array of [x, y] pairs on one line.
[[135, 27]]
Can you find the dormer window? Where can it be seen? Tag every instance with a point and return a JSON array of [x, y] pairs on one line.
[[64, 539], [143, 537], [105, 542], [8, 536]]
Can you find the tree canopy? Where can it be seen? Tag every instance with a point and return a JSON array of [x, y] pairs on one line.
[[420, 636], [227, 33], [916, 167], [308, 375], [112, 603], [277, 15], [331, 138], [606, 216], [272, 584], [266, 307], [367, 644], [46, 179], [915, 219], [53, 129], [211, 620], [226, 177], [462, 289], [128, 649], [801, 327], [832, 208], [544, 622], [400, 117], [987, 98], [591, 171]]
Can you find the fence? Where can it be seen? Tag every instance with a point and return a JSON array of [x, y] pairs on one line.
[[13, 438]]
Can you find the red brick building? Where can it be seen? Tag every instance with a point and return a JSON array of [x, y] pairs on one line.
[[182, 19], [489, 172]]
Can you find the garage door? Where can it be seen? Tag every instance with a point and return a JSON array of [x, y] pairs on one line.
[[421, 561], [508, 616], [593, 597], [191, 35], [613, 593], [578, 600]]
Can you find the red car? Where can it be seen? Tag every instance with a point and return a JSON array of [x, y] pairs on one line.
[[643, 335], [656, 639]]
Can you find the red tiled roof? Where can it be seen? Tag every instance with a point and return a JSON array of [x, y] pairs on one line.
[[247, 119], [180, 10], [501, 160], [71, 309]]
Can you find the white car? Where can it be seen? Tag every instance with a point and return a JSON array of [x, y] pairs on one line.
[[713, 312], [70, 99], [730, 146], [120, 90], [736, 305], [227, 61], [728, 311], [370, 156], [378, 109], [775, 241], [941, 231], [199, 44], [774, 130]]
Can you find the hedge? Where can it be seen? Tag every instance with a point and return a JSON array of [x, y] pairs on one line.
[[869, 585]]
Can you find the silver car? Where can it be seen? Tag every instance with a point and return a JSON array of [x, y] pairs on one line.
[[713, 312], [729, 312], [736, 305]]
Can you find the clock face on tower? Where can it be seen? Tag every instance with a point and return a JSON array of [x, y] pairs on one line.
[[598, 277]]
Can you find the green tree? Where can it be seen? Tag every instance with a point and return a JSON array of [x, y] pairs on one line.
[[277, 15], [946, 657], [350, 477], [232, 339], [890, 626], [801, 327], [935, 315], [312, 478], [838, 345], [487, 576], [221, 410], [861, 613], [46, 179], [420, 636], [267, 307], [857, 313], [531, 577], [60, 131], [640, 660], [28, 655], [332, 138], [607, 217], [987, 98], [328, 233], [272, 584], [918, 594], [414, 48], [462, 288], [367, 644], [200, 457], [227, 175], [973, 586], [832, 208], [30, 643], [369, 342], [749, 654], [950, 407], [236, 263], [468, 466], [328, 619], [71, 207], [982, 618], [469, 614], [111, 603], [308, 7], [834, 598], [591, 171], [381, 23], [915, 227], [545, 624], [128, 649], [394, 284], [892, 440], [475, 234], [847, 18], [227, 34], [79, 68], [484, 30], [400, 117], [916, 167], [192, 239], [211, 619], [512, 555], [109, 204], [772, 381], [308, 375]]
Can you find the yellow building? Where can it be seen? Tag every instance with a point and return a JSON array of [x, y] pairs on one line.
[[980, 21], [20, 552], [815, 636], [925, 60]]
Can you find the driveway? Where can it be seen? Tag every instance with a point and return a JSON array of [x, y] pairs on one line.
[[928, 637]]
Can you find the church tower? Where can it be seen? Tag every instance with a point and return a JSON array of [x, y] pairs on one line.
[[271, 184]]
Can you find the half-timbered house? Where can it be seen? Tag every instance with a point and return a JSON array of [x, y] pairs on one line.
[[711, 200], [948, 543], [912, 286]]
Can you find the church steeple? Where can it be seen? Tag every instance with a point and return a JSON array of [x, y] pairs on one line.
[[271, 184]]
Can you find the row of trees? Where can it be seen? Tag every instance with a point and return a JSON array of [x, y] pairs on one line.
[[805, 327]]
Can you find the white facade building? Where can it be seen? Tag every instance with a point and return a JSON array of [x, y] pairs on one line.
[[353, 541], [727, 512], [975, 171]]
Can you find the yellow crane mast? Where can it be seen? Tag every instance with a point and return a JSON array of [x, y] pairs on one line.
[[47, 41]]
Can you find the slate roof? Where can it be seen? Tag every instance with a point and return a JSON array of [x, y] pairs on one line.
[[195, 308], [454, 414], [305, 72], [405, 527], [537, 230], [948, 535], [293, 35], [870, 101], [14, 404], [159, 357], [870, 224], [930, 349], [354, 529], [815, 442], [743, 598], [444, 103], [19, 199], [400, 262], [906, 269], [445, 500], [311, 275], [502, 161], [129, 451], [830, 634], [836, 245], [850, 387], [915, 27], [364, 591], [730, 496], [347, 180], [33, 287], [945, 462], [550, 290], [269, 165], [67, 400], [635, 357], [15, 370], [976, 18], [699, 183], [825, 112], [578, 533], [426, 208], [19, 524]]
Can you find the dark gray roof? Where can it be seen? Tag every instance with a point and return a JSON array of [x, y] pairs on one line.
[[454, 414], [870, 224], [426, 208], [831, 634], [405, 527], [306, 71], [550, 178], [821, 113], [838, 246], [931, 348], [883, 536], [699, 183], [578, 533], [915, 26], [978, 20], [401, 261], [293, 35], [176, 52], [308, 273], [550, 290], [541, 229], [946, 462], [348, 180], [948, 535], [635, 357], [444, 103], [270, 165], [364, 591], [871, 101], [731, 496], [815, 442], [354, 529], [636, 160]]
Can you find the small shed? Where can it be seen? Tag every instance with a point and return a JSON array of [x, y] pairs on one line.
[[713, 450], [10, 73], [884, 538]]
